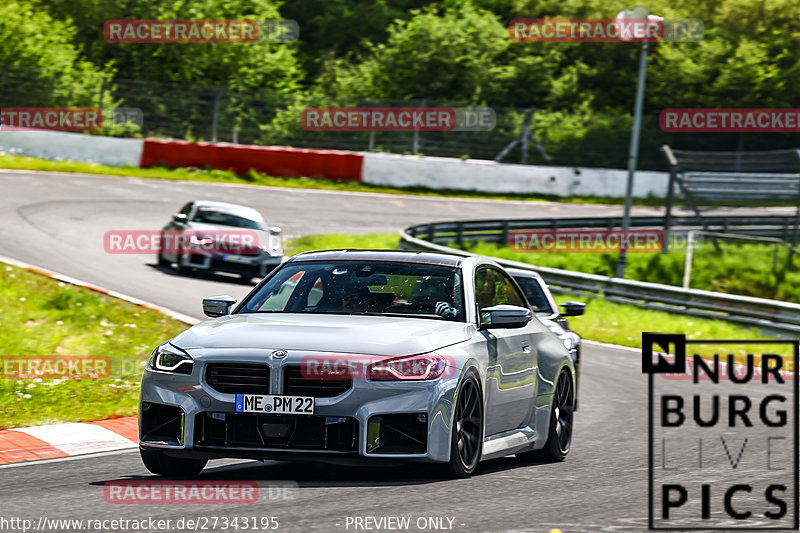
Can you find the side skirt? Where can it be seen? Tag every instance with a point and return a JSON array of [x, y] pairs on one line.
[[508, 442]]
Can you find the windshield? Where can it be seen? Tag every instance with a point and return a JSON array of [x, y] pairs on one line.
[[535, 295], [209, 216], [362, 288]]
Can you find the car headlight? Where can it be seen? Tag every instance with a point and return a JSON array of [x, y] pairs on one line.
[[169, 358], [416, 367]]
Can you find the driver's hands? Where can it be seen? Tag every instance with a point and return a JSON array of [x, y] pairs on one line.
[[445, 310]]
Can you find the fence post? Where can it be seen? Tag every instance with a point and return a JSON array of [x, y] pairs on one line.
[[673, 170], [687, 266], [415, 138], [215, 114]]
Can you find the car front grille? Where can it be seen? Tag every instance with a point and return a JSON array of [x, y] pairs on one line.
[[238, 378], [294, 384], [290, 432]]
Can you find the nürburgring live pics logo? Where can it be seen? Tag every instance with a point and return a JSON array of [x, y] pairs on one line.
[[722, 433]]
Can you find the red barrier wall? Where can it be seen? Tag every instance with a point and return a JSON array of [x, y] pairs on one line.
[[240, 158]]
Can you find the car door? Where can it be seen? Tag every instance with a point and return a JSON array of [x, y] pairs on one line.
[[511, 374]]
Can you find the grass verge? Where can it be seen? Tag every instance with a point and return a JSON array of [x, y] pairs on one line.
[[45, 317]]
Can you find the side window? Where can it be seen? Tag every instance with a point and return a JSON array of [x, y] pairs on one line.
[[512, 295], [492, 287], [485, 287], [187, 209]]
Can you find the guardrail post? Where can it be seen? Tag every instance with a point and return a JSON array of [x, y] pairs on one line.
[[673, 171], [505, 232]]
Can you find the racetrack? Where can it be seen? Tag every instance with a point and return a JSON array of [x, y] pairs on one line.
[[601, 487], [57, 222]]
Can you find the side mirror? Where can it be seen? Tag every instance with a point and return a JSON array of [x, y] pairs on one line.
[[275, 230], [218, 305], [179, 217], [573, 308], [504, 316]]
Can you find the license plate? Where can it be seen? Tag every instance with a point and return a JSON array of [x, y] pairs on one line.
[[233, 258], [275, 405]]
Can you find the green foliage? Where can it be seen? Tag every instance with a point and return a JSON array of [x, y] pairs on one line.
[[41, 61], [262, 65]]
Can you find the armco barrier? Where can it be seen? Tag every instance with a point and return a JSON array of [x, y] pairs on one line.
[[781, 318], [240, 158]]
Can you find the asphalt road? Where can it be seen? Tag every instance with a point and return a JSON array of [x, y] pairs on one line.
[[58, 221]]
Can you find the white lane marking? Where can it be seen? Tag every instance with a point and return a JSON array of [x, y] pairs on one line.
[[613, 346], [79, 438]]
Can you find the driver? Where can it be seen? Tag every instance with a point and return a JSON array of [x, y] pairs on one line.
[[356, 299]]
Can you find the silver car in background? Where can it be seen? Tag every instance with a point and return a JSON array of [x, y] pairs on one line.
[[544, 305], [205, 223], [362, 356]]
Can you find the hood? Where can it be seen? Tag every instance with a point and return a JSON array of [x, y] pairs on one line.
[[371, 335]]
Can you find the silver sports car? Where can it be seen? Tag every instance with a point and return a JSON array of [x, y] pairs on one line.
[[362, 356], [215, 239]]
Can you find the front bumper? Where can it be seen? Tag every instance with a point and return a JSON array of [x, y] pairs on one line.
[[184, 416], [255, 265]]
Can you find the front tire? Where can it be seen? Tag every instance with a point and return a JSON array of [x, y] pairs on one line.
[[162, 261], [160, 464], [466, 442]]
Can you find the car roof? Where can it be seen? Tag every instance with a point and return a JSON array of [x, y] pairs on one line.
[[225, 207], [518, 272], [400, 256]]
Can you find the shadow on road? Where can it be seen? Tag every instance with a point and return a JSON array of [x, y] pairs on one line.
[[199, 274], [312, 474]]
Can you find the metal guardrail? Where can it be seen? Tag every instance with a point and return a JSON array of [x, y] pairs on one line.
[[773, 316]]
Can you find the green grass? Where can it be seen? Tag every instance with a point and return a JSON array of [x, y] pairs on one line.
[[44, 317], [255, 178], [745, 269]]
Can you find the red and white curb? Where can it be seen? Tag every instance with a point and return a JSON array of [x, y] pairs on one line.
[[64, 440]]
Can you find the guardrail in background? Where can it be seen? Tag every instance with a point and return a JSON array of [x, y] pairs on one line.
[[773, 316]]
